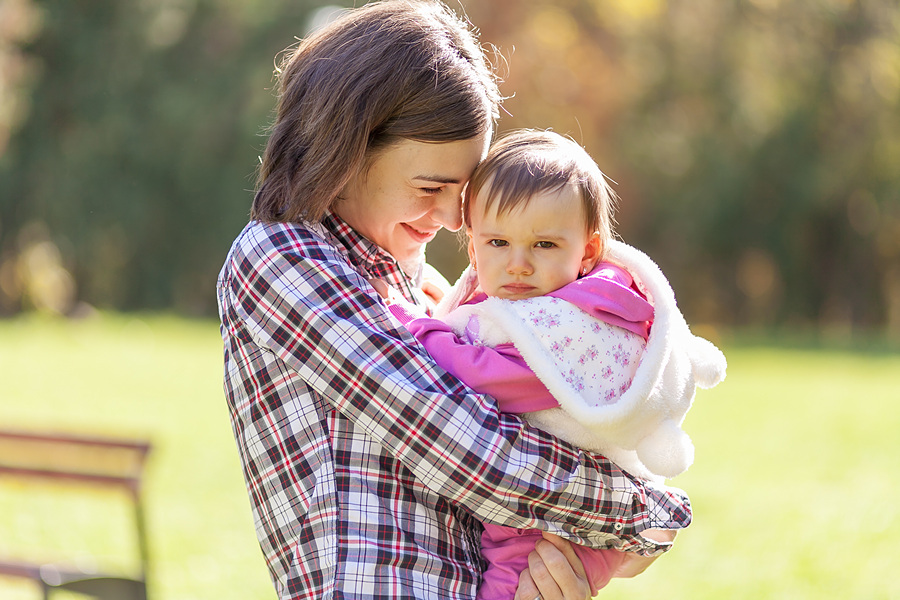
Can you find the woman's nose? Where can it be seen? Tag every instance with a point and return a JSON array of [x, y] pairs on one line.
[[448, 210]]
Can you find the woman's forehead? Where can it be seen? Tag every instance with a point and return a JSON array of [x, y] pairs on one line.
[[435, 162]]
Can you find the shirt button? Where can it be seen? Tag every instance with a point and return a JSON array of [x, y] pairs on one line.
[[618, 526]]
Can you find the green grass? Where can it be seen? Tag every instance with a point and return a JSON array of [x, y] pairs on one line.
[[149, 377], [795, 486]]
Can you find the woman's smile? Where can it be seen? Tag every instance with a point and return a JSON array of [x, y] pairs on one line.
[[409, 192], [421, 237]]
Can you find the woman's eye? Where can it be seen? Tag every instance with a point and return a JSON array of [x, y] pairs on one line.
[[497, 243], [431, 191], [545, 245]]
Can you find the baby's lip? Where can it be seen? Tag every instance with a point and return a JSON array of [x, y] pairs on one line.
[[517, 288]]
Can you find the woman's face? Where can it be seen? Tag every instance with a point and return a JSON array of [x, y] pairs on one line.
[[411, 190]]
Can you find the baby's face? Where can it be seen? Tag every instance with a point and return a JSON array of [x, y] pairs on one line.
[[534, 249]]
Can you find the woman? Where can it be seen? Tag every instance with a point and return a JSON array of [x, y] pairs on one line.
[[365, 462]]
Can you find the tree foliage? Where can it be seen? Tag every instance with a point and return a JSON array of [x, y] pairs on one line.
[[755, 143], [139, 148]]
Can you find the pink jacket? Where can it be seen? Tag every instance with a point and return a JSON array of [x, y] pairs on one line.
[[636, 422], [608, 293], [639, 429]]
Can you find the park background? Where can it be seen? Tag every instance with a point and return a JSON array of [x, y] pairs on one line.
[[755, 145]]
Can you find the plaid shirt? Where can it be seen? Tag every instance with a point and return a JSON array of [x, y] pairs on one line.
[[366, 462]]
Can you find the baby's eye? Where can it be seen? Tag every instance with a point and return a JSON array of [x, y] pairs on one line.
[[498, 243], [545, 245]]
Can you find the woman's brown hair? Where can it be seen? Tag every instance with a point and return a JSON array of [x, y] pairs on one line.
[[390, 70]]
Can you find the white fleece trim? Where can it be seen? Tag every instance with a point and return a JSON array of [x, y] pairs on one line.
[[642, 428], [503, 314]]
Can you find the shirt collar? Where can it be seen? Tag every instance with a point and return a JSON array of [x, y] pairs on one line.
[[371, 259]]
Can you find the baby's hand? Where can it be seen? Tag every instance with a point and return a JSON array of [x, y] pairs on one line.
[[434, 293], [381, 287], [389, 293]]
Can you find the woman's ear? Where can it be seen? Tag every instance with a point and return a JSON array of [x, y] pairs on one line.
[[592, 252]]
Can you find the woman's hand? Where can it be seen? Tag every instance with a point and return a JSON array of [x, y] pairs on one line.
[[554, 572], [634, 565]]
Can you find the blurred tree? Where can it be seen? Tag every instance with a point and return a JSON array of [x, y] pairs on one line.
[[755, 143], [19, 23], [138, 151]]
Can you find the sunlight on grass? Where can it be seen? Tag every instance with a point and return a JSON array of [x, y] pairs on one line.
[[152, 377], [794, 483]]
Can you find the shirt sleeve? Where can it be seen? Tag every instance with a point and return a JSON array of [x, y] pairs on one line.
[[307, 306]]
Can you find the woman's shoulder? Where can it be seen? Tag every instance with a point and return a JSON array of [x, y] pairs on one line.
[[279, 249], [307, 241]]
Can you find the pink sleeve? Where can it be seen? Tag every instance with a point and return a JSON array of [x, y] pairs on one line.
[[499, 372], [599, 565], [608, 293]]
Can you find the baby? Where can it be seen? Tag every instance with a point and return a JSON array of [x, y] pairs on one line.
[[576, 332]]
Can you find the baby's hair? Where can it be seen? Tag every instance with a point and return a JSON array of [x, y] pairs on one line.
[[527, 162], [378, 74]]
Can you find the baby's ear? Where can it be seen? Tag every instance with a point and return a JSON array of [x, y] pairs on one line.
[[471, 246], [592, 251]]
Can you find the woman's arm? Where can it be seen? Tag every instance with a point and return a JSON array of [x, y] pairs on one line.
[[302, 302], [499, 372]]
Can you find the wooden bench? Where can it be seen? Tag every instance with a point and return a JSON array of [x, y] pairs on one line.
[[70, 460]]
